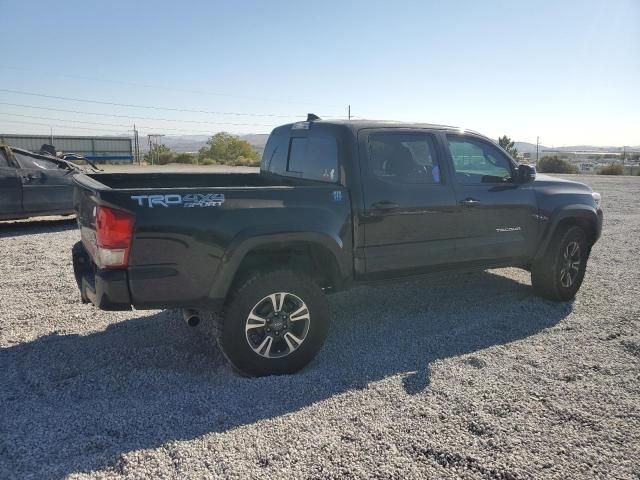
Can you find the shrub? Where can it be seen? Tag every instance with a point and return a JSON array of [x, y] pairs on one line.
[[244, 162], [612, 169], [184, 158], [164, 158], [556, 165]]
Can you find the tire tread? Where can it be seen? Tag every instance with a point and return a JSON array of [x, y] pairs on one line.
[[544, 274]]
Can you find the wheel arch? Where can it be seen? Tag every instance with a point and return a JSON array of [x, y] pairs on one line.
[[318, 255], [579, 215]]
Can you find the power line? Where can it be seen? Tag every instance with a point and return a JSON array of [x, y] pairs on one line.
[[68, 127], [133, 117], [103, 124], [151, 107], [63, 120], [175, 89]]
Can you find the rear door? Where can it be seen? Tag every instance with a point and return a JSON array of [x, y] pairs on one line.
[[499, 215], [10, 188], [410, 213], [46, 185]]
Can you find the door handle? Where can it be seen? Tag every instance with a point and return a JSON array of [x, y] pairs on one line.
[[469, 202], [30, 177], [384, 205]]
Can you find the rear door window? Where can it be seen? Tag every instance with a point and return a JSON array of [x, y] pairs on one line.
[[409, 158]]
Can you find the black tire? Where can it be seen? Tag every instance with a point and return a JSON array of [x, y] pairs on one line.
[[231, 322], [81, 266], [548, 278]]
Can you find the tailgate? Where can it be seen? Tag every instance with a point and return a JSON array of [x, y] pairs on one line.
[[107, 288], [85, 202]]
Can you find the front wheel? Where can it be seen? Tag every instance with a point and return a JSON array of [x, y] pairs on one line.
[[274, 323], [559, 275]]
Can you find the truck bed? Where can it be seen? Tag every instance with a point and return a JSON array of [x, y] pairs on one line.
[[166, 180], [179, 255]]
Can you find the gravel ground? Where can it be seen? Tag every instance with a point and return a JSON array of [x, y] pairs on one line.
[[457, 376]]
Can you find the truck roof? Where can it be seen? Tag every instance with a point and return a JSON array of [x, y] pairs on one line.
[[359, 124]]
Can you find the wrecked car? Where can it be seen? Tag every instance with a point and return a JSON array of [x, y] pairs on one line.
[[36, 184]]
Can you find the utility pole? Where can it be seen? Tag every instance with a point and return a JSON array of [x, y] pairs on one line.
[[136, 145], [154, 142], [51, 135], [349, 112], [537, 149]]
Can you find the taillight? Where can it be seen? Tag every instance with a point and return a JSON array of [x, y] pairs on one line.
[[114, 231]]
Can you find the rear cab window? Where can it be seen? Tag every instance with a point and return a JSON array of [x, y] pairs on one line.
[[310, 153]]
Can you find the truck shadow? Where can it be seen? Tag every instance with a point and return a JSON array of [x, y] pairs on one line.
[[18, 228], [76, 403]]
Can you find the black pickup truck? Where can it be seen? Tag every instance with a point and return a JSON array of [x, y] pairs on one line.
[[335, 203]]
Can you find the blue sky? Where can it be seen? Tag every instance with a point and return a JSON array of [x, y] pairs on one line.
[[568, 71]]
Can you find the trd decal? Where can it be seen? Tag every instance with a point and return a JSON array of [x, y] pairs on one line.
[[190, 200]]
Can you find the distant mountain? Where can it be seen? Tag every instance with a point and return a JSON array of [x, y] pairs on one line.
[[256, 140], [182, 143], [193, 143], [526, 147]]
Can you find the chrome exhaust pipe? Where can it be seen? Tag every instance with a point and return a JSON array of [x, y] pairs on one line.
[[192, 317]]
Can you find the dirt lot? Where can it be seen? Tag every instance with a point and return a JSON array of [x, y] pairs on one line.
[[461, 375]]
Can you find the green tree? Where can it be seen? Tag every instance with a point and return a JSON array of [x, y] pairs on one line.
[[556, 164], [160, 155], [228, 149], [509, 145]]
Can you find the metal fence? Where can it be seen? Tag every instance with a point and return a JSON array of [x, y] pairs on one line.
[[100, 149]]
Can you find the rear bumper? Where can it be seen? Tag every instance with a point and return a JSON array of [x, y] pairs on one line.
[[106, 289]]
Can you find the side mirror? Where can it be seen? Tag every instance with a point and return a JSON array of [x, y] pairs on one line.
[[526, 173]]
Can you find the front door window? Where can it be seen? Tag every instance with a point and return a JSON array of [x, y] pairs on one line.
[[477, 162]]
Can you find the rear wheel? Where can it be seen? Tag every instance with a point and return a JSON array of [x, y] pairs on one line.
[[274, 323], [559, 275]]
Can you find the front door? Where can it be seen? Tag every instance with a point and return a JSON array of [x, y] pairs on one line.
[[499, 220], [47, 186], [410, 213], [10, 188]]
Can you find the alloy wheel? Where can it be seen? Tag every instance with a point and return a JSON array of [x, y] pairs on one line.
[[570, 264], [277, 325]]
